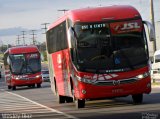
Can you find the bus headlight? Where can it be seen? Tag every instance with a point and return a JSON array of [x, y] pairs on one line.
[[141, 76], [17, 77], [38, 76], [85, 80]]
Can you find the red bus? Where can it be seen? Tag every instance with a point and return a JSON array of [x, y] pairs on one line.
[[22, 67], [99, 53]]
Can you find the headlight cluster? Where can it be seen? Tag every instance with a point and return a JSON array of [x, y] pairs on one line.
[[141, 76], [17, 77], [85, 80], [38, 76]]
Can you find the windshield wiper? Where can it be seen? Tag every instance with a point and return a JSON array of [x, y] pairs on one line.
[[22, 67], [30, 68]]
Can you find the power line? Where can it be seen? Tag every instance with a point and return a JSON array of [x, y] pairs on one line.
[[153, 23], [33, 36], [23, 34], [45, 27], [18, 39]]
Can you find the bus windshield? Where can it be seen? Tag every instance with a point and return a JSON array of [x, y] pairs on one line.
[[25, 63], [100, 50]]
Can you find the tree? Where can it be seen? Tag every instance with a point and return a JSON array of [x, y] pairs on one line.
[[42, 48]]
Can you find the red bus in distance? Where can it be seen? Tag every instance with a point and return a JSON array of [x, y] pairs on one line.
[[99, 52], [22, 67]]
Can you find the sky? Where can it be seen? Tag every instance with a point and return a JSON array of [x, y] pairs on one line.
[[27, 15]]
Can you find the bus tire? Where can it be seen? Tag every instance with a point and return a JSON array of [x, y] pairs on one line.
[[9, 87], [61, 99], [29, 86], [137, 98], [55, 88], [33, 85], [13, 87], [38, 85], [69, 99], [80, 103]]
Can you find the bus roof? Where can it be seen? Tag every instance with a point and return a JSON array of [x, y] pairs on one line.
[[22, 49], [93, 14]]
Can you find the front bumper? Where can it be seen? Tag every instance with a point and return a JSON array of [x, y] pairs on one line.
[[89, 91], [20, 82]]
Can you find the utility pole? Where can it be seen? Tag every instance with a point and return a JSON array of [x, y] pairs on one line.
[[153, 23], [23, 33], [33, 37], [45, 27], [63, 10], [18, 39]]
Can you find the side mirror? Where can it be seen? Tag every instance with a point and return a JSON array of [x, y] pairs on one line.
[[8, 60], [151, 31], [72, 41], [71, 31], [71, 37]]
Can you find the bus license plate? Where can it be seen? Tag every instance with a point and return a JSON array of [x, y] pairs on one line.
[[117, 90]]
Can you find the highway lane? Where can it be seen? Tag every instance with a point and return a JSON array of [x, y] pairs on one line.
[[15, 105], [104, 109]]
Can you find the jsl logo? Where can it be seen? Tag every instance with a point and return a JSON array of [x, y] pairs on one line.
[[127, 26]]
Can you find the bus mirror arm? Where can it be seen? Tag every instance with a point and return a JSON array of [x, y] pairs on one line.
[[72, 38], [151, 30]]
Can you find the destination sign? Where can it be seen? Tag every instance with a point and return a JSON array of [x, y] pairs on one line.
[[35, 55], [93, 26]]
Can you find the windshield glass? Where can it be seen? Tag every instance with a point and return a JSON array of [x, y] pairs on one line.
[[25, 63], [45, 72], [17, 63], [100, 49]]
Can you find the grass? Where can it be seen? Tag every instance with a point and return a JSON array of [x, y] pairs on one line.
[[156, 83]]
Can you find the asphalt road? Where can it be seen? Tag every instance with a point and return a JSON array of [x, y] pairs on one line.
[[44, 104]]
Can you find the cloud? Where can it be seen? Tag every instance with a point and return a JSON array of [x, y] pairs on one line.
[[11, 31]]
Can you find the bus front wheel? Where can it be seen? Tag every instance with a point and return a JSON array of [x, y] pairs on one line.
[[9, 87], [13, 87], [137, 98], [38, 85], [80, 103]]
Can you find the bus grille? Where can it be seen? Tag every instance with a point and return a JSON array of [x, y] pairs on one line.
[[116, 82], [30, 78]]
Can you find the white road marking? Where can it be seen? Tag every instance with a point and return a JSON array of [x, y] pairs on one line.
[[20, 107], [52, 110]]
